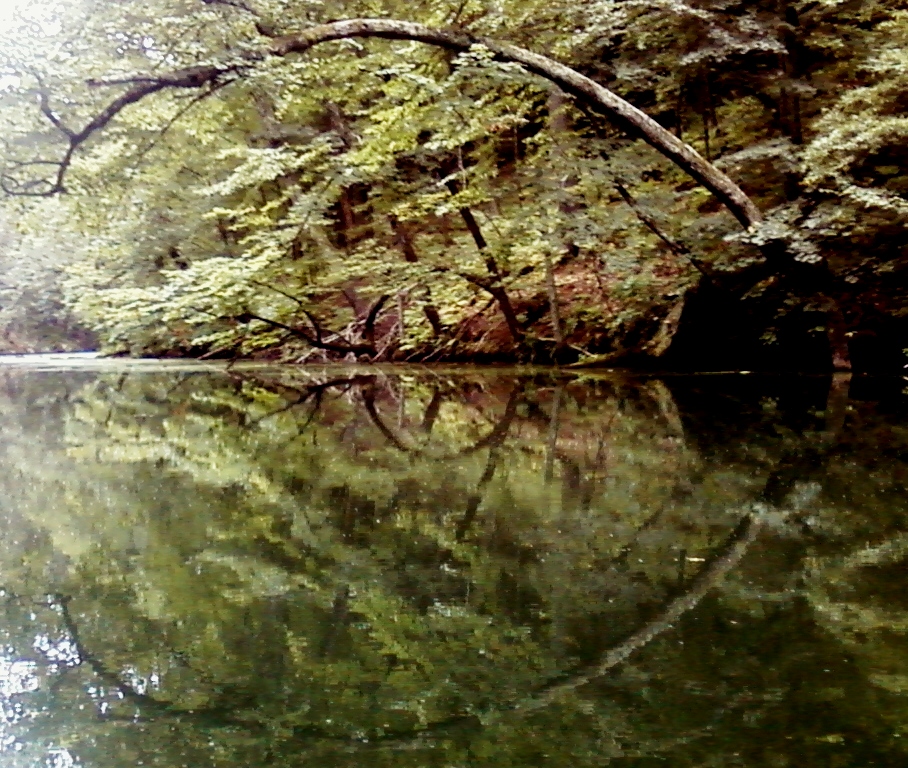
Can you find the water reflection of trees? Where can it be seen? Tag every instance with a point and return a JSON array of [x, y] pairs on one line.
[[446, 566]]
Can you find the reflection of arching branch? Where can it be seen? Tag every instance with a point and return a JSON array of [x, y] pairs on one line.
[[708, 578], [210, 716], [779, 492]]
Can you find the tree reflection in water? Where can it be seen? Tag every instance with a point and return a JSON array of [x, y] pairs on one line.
[[412, 567]]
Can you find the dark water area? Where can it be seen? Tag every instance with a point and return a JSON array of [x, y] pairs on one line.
[[257, 566]]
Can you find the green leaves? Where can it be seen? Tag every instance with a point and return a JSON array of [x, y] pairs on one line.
[[301, 166]]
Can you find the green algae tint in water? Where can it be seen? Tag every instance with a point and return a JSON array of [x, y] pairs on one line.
[[261, 567]]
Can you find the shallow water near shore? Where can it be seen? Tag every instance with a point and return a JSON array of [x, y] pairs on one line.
[[206, 565]]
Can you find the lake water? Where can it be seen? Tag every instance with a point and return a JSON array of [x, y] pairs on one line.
[[254, 566]]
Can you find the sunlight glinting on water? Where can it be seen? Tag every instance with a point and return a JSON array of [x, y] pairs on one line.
[[17, 676]]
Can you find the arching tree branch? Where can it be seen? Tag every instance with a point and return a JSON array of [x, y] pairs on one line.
[[570, 81], [588, 91]]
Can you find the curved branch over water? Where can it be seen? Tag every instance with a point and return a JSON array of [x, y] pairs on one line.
[[624, 113], [587, 91]]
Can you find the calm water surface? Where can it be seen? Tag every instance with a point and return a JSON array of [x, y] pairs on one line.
[[432, 567]]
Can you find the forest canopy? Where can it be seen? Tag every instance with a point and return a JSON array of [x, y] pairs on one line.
[[197, 178]]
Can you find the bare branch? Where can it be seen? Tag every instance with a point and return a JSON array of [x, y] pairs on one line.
[[369, 330], [181, 112], [677, 249], [192, 77], [299, 302], [316, 326], [12, 186], [52, 116], [315, 341]]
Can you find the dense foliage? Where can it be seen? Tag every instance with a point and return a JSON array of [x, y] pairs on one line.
[[391, 200]]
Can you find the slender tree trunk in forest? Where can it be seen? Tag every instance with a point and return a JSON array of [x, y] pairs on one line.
[[836, 407], [404, 240], [434, 318], [793, 67], [708, 113], [836, 332], [346, 219], [558, 126], [711, 103], [346, 205], [401, 321], [552, 290], [495, 286], [797, 131], [679, 112]]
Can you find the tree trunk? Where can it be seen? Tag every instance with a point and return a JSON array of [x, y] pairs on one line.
[[404, 241], [494, 286]]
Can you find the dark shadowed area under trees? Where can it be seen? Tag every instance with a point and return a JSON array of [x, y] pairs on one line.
[[659, 184]]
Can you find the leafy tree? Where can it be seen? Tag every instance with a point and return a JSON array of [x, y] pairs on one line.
[[385, 199]]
